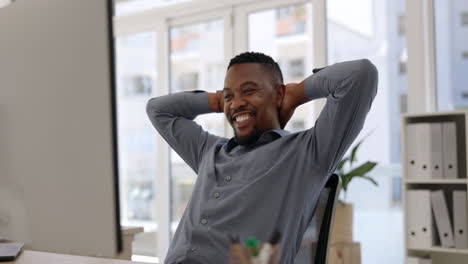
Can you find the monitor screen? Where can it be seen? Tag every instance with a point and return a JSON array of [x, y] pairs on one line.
[[58, 130]]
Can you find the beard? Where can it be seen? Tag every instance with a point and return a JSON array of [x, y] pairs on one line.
[[248, 139]]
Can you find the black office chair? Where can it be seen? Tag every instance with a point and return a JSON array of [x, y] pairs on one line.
[[315, 243]]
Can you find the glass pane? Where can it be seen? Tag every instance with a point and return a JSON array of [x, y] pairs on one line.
[[136, 73], [451, 31], [196, 63], [375, 30], [132, 6], [285, 34]]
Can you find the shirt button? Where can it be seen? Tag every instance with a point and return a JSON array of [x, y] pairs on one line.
[[228, 178], [193, 249], [203, 221], [216, 194]]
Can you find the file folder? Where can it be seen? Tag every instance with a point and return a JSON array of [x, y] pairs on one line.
[[442, 218], [430, 143], [449, 146], [424, 148], [460, 220], [412, 159], [420, 225]]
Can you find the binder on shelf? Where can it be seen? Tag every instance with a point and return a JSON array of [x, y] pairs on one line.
[[449, 146], [412, 158], [442, 218], [430, 137], [460, 220], [420, 226]]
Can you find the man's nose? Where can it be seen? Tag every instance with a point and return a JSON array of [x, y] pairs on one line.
[[238, 102]]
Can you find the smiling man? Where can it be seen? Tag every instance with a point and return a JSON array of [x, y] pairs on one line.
[[265, 178]]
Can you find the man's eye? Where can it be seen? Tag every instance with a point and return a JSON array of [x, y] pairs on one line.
[[227, 97], [249, 91]]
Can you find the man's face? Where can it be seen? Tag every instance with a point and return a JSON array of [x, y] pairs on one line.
[[251, 101]]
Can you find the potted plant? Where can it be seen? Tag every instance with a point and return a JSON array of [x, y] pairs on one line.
[[343, 224]]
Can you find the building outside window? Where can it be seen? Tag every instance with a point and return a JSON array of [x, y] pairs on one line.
[[136, 75], [451, 34], [375, 30]]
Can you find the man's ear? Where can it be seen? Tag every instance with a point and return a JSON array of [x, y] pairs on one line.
[[280, 92]]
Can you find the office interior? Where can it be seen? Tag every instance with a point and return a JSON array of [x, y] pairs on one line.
[[420, 48]]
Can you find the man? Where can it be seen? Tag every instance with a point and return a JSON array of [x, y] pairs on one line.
[[265, 178]]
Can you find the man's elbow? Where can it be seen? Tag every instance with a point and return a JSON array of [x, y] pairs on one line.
[[368, 75], [152, 107]]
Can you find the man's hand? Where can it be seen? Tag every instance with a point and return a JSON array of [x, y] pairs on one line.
[[216, 102], [293, 97]]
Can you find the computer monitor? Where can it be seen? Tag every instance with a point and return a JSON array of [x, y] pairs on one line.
[[58, 145]]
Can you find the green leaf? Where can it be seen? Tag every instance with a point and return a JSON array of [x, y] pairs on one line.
[[370, 179], [362, 169], [354, 151], [342, 163]]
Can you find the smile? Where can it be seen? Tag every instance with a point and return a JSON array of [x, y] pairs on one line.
[[243, 117]]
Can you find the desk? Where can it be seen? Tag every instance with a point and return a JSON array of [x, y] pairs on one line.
[[36, 257], [128, 234]]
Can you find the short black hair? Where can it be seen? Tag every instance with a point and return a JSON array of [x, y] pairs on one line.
[[268, 63]]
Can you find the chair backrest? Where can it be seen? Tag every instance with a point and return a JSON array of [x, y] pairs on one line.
[[314, 247]]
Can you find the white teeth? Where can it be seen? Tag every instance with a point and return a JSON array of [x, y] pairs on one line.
[[241, 118]]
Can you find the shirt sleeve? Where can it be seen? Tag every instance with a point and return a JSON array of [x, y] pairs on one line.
[[172, 115], [350, 88]]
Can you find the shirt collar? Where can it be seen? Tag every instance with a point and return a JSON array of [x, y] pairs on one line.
[[266, 137]]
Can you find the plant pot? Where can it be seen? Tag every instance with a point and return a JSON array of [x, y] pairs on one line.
[[343, 225]]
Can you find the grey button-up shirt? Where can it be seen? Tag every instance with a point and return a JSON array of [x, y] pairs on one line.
[[273, 184]]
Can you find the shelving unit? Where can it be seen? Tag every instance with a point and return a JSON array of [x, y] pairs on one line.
[[436, 181], [438, 254]]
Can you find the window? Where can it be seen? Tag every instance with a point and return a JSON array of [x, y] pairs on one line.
[[290, 20], [378, 35], [464, 18], [296, 68], [138, 85], [127, 7], [291, 50], [198, 60], [192, 67], [465, 55], [401, 25], [136, 73], [451, 63], [187, 81]]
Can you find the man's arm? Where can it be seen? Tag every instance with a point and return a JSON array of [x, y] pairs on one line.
[[350, 87], [172, 115]]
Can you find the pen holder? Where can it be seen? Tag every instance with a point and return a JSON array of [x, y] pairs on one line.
[[239, 254]]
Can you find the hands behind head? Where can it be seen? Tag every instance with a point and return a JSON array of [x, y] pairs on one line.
[[289, 104], [293, 97]]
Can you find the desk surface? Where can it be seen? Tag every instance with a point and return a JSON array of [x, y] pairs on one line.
[[30, 257]]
